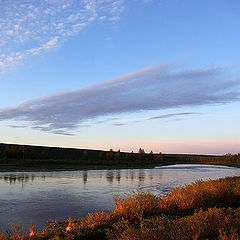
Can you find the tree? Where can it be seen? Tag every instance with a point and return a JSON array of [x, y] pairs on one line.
[[100, 156], [132, 156], [158, 157], [151, 156], [117, 155], [110, 155], [141, 154], [44, 154], [85, 155]]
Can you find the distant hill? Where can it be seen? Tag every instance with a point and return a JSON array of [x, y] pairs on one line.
[[14, 156]]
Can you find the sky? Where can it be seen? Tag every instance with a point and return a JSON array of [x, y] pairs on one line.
[[163, 75]]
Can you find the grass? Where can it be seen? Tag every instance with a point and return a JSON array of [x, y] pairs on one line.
[[202, 210]]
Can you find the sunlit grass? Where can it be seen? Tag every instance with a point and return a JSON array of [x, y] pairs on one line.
[[202, 210]]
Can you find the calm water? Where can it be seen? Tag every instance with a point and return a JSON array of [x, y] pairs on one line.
[[40, 196]]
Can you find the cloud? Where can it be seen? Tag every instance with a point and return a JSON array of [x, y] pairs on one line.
[[151, 88], [29, 28], [172, 115], [16, 126], [122, 122], [62, 132], [119, 124]]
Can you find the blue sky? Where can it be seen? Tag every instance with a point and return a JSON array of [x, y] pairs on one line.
[[157, 74]]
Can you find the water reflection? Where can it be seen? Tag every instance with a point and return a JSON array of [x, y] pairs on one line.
[[12, 179], [141, 175], [118, 176], [85, 176], [38, 196], [110, 176]]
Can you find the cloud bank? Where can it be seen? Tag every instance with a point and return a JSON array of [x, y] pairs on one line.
[[151, 88], [29, 28]]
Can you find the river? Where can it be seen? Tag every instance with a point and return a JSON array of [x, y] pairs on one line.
[[37, 197]]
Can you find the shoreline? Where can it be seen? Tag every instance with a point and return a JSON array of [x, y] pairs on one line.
[[102, 167], [201, 210]]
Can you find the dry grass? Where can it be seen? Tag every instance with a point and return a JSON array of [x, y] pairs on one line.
[[214, 223]]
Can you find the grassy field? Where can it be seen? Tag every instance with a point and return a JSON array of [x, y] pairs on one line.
[[202, 210]]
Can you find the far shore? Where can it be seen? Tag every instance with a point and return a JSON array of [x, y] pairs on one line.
[[19, 158], [95, 167]]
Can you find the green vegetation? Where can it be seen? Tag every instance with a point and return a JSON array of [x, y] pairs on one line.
[[24, 157], [202, 210], [20, 157], [228, 159]]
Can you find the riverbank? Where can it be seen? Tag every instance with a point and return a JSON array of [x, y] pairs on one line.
[[38, 158], [202, 210], [65, 167], [54, 166]]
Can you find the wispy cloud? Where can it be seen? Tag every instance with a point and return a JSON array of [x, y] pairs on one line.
[[151, 88], [29, 28], [16, 126], [125, 121], [119, 124], [172, 115]]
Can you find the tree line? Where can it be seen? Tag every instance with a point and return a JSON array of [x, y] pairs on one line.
[[224, 159], [36, 154], [26, 155]]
